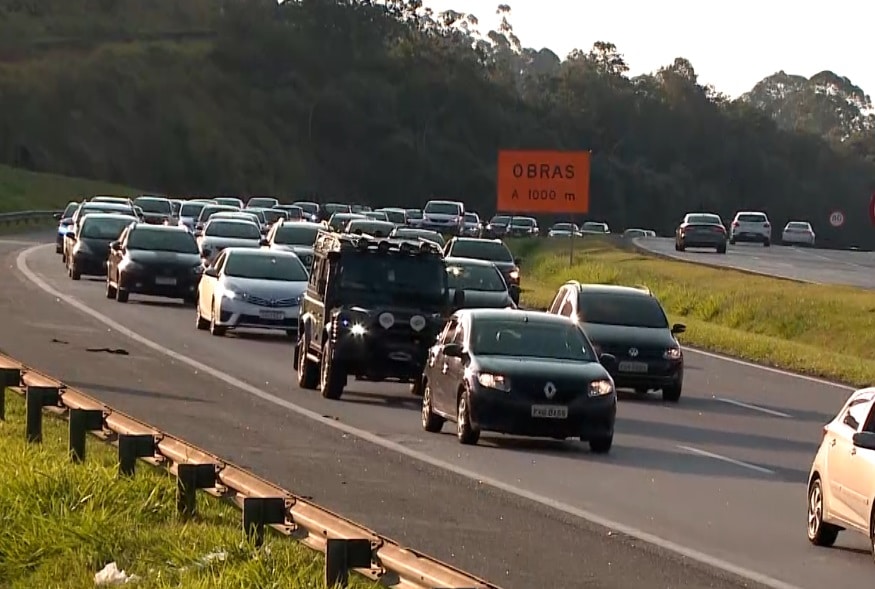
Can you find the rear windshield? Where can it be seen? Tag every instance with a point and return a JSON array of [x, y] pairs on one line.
[[273, 215], [162, 240], [564, 227], [234, 202], [264, 266], [336, 208], [443, 208], [414, 214], [471, 218], [596, 227], [494, 251], [232, 229], [294, 234], [752, 218], [475, 277], [261, 202], [500, 220], [210, 210], [191, 209], [104, 228], [378, 215], [705, 219], [311, 208], [154, 205], [622, 309], [797, 225], [523, 222], [375, 228]]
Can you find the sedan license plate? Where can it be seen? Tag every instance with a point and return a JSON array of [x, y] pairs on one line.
[[550, 411], [636, 367], [165, 280], [272, 315]]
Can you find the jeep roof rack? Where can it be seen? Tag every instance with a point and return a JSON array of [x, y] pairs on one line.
[[330, 241]]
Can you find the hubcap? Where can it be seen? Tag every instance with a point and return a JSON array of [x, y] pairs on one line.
[[462, 420], [324, 370], [815, 510], [426, 405]]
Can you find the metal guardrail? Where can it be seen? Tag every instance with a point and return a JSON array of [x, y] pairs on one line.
[[27, 217], [347, 546]]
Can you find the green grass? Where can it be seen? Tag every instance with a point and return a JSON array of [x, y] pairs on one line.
[[819, 330], [60, 523], [21, 190]]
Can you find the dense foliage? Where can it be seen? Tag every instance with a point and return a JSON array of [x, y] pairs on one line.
[[387, 104]]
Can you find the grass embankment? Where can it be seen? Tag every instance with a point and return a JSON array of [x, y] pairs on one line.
[[61, 523], [819, 330], [21, 190]]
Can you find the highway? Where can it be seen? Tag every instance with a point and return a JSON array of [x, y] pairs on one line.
[[720, 476], [806, 264]]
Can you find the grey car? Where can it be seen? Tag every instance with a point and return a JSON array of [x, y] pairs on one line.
[[704, 230], [297, 237], [223, 233]]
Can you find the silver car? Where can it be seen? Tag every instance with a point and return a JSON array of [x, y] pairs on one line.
[[223, 233], [297, 237], [471, 226], [189, 213], [564, 230], [252, 288], [798, 233]]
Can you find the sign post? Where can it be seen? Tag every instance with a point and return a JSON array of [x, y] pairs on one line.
[[837, 219], [544, 182], [872, 208]]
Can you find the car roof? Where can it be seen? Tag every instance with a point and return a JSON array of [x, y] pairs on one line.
[[637, 291], [307, 224], [111, 216], [230, 220], [468, 261], [113, 206], [519, 315], [451, 202], [477, 239], [750, 213], [150, 197], [372, 223], [251, 251], [169, 228]]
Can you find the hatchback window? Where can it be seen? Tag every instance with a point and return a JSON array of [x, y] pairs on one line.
[[621, 309], [797, 225]]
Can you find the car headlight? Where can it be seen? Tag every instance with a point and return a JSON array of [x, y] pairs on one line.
[[494, 381], [672, 354], [230, 293], [358, 330], [515, 275], [600, 388], [128, 265]]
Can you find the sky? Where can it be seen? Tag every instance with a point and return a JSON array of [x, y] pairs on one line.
[[731, 45]]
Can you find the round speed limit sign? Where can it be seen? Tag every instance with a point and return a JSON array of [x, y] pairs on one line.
[[837, 219]]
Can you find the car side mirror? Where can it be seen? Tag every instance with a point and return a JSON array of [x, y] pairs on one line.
[[56, 216], [211, 272], [678, 328], [865, 440], [453, 350], [459, 298], [609, 361], [115, 246]]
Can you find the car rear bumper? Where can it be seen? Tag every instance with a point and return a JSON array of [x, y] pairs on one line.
[[751, 237]]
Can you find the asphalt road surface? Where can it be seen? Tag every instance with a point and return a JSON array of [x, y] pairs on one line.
[[799, 263], [719, 477]]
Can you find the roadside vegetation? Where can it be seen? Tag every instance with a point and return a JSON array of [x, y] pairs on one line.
[[22, 190], [61, 523], [819, 330]]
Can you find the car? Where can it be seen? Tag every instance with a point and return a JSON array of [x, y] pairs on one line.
[[798, 233], [312, 210], [595, 228], [271, 216], [445, 216], [156, 210], [522, 227], [90, 243], [483, 283], [369, 227], [294, 213], [751, 226], [635, 233], [414, 217], [564, 230], [229, 201], [376, 215], [207, 212], [491, 250], [339, 220], [395, 215], [122, 200], [189, 213], [472, 227], [373, 308], [89, 208], [414, 234], [65, 225], [251, 289], [297, 237], [841, 482], [262, 202], [518, 372], [329, 209], [629, 324], [497, 226], [155, 260], [221, 233], [701, 230]]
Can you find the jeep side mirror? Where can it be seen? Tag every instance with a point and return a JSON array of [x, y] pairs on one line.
[[211, 272], [678, 328], [459, 298], [115, 246], [453, 350]]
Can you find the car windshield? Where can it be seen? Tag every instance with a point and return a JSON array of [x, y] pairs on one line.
[[500, 220], [393, 277], [191, 209], [295, 212], [414, 214], [798, 225], [523, 222], [232, 229], [563, 227], [475, 277], [396, 216], [261, 202], [533, 339], [417, 233], [69, 210], [704, 219], [162, 240], [154, 205], [311, 208], [752, 218], [104, 228], [471, 218], [622, 309], [262, 265], [443, 208], [481, 249], [375, 228], [295, 234], [338, 220]]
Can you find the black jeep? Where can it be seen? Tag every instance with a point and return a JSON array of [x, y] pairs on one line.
[[373, 309]]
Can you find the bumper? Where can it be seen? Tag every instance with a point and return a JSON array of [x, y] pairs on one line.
[[89, 265], [751, 237], [471, 231], [150, 284], [500, 412], [658, 375], [234, 314], [797, 240], [702, 241], [378, 359]]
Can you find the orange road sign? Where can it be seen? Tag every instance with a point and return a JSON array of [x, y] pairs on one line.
[[543, 181]]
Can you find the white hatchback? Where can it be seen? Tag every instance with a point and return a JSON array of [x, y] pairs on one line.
[[798, 233], [841, 486]]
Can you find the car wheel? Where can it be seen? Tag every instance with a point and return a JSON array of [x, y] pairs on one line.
[[601, 445], [74, 272], [121, 295], [465, 432], [672, 393], [308, 371], [731, 242], [431, 422], [215, 329], [820, 533], [767, 243], [331, 381], [721, 249], [201, 323]]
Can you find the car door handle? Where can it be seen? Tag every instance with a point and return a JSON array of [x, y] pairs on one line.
[[832, 442], [853, 451], [445, 368]]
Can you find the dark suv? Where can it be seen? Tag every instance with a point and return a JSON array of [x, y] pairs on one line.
[[372, 310], [490, 250]]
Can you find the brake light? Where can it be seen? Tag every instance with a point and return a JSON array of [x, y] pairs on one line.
[[767, 224], [735, 223], [719, 229]]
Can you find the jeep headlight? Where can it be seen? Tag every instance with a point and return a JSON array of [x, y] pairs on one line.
[[600, 388], [494, 381], [358, 329]]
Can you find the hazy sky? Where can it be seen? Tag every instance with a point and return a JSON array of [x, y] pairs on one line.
[[732, 48]]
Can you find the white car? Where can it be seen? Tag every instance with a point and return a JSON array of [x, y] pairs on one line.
[[751, 226], [220, 233], [445, 216], [798, 233], [841, 485], [594, 228], [564, 230], [252, 288]]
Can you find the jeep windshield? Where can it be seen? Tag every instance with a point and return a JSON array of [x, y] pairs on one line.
[[398, 279]]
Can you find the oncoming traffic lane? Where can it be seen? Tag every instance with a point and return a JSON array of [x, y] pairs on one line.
[[649, 483]]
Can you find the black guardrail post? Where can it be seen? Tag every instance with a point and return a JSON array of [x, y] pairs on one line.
[[9, 377], [343, 555], [37, 397], [190, 478], [130, 448], [82, 421], [260, 512]]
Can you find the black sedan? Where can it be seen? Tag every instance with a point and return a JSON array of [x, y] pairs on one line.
[[518, 372], [90, 248]]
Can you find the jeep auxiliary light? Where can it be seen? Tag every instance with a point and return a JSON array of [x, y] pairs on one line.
[[417, 322], [386, 320], [358, 329]]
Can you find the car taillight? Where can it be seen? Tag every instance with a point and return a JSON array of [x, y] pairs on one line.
[[766, 225], [719, 229], [735, 223]]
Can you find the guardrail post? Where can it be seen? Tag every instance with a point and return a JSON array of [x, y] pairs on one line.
[[190, 478], [259, 512], [343, 555], [82, 421], [9, 377], [130, 448], [38, 397]]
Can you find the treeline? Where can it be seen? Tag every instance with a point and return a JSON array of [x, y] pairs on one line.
[[388, 104]]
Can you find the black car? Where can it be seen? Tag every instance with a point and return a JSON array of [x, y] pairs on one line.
[[156, 210], [156, 260], [65, 224], [482, 282], [701, 230], [491, 250], [631, 325], [90, 207], [518, 372], [372, 310], [497, 227], [90, 243]]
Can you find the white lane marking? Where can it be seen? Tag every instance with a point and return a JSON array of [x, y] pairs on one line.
[[15, 242], [691, 553], [752, 407], [726, 459]]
